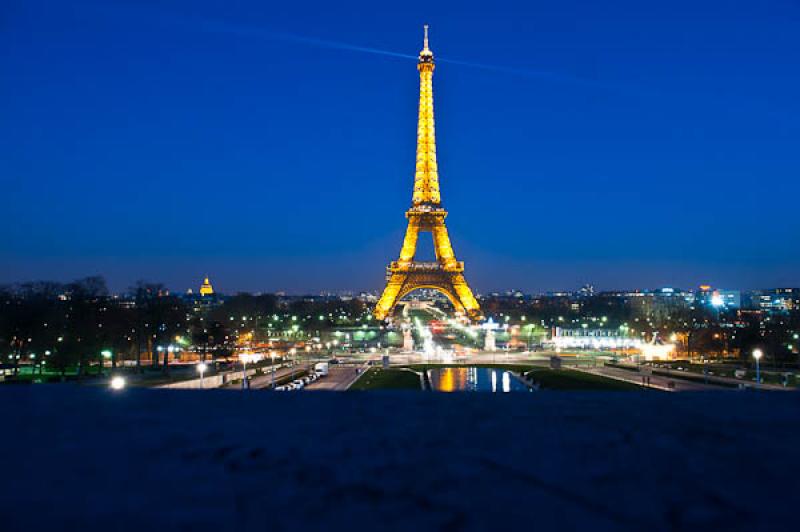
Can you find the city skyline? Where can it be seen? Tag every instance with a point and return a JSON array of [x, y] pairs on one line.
[[204, 287], [595, 155], [399, 266]]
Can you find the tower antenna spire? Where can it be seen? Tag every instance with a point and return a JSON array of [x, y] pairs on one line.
[[425, 40]]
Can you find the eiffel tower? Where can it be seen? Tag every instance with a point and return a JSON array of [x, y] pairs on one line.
[[427, 215]]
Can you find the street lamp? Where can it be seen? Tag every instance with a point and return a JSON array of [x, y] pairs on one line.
[[272, 356], [202, 367], [245, 358], [757, 354], [293, 354], [106, 354]]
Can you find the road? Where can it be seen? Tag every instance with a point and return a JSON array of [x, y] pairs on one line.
[[656, 381], [728, 380], [265, 381], [338, 379]]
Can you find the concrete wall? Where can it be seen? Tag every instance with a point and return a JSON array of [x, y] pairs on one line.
[[213, 381]]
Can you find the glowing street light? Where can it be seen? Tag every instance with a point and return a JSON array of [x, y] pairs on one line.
[[202, 367], [106, 354], [245, 358], [118, 383], [757, 354]]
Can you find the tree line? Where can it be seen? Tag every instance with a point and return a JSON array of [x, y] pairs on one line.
[[75, 325], [74, 328]]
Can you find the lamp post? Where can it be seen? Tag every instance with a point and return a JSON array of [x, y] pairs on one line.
[[170, 350], [757, 354], [202, 367], [106, 354], [272, 356]]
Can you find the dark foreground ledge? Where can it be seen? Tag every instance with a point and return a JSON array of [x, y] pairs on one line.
[[78, 458]]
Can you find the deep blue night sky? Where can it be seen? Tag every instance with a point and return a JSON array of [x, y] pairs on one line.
[[619, 143]]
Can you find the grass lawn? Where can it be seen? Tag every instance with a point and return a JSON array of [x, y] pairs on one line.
[[387, 379], [567, 379]]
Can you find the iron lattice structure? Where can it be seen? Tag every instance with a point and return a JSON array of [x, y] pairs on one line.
[[427, 215]]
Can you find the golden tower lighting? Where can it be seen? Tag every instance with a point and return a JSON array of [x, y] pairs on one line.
[[427, 215], [206, 289]]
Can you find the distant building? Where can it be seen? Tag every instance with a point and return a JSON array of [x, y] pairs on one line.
[[586, 290], [656, 304], [368, 297], [205, 299], [718, 298], [585, 338], [728, 298], [775, 300], [206, 289]]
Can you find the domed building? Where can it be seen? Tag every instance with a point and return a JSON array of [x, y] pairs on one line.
[[206, 289]]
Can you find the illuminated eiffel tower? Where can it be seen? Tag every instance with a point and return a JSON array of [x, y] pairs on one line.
[[427, 215]]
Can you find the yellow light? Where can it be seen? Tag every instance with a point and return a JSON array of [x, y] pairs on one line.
[[657, 351], [426, 215], [206, 289]]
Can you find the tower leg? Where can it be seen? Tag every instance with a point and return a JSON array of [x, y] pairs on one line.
[[441, 243], [409, 248], [390, 295], [464, 293]]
